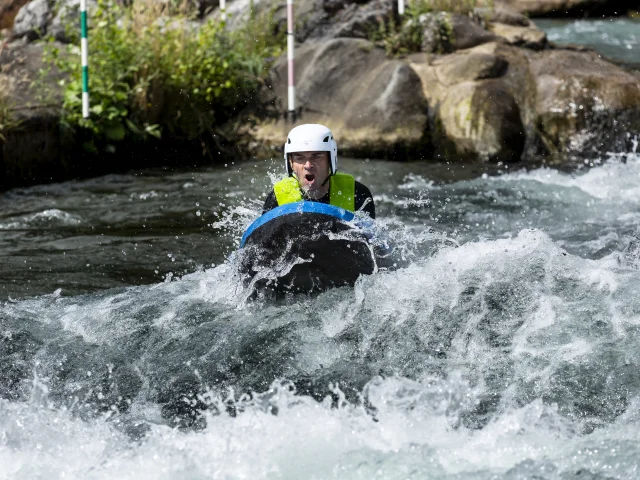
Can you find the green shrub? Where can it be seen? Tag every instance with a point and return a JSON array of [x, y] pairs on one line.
[[153, 75], [406, 36]]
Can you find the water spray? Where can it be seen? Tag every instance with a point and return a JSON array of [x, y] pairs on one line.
[[85, 58]]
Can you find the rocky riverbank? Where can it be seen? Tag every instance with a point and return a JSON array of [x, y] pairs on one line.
[[493, 89], [481, 84]]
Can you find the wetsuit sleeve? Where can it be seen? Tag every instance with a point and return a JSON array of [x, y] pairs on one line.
[[362, 193], [270, 202]]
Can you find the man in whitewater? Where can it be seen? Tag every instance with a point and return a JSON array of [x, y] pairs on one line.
[[311, 161]]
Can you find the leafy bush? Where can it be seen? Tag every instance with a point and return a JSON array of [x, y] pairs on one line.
[[406, 36], [462, 7], [153, 75]]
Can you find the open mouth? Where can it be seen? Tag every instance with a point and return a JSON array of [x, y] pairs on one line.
[[309, 177]]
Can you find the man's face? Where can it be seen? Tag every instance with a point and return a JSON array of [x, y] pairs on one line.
[[311, 169]]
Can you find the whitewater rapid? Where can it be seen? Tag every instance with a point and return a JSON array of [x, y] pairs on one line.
[[508, 348]]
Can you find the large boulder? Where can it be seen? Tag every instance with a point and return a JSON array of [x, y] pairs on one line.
[[30, 151], [473, 112], [584, 103], [570, 8], [548, 104], [373, 104], [32, 20]]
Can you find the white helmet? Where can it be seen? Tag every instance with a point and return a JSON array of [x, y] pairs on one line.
[[311, 137]]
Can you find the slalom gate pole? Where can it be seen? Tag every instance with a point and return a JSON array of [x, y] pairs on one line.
[[85, 58], [400, 7], [291, 114], [223, 10]]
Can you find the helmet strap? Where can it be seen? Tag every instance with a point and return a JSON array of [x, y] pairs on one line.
[[325, 181]]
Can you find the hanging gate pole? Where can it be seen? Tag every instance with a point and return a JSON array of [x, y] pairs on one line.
[[223, 10], [85, 58], [290, 56], [401, 7]]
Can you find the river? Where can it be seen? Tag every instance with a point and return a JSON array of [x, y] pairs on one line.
[[616, 38], [507, 347]]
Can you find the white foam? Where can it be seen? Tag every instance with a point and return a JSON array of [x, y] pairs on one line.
[[614, 181], [46, 218]]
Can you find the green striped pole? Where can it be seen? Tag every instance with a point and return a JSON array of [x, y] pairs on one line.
[[85, 59]]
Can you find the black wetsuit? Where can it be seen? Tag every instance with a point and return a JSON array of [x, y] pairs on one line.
[[362, 193]]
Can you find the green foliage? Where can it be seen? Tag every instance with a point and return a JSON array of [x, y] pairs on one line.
[[407, 35], [398, 39], [153, 75], [8, 118], [5, 116]]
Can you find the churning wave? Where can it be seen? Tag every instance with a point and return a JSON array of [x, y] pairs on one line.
[[45, 219], [509, 356], [506, 358]]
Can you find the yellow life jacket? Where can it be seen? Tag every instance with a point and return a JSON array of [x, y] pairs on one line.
[[342, 191]]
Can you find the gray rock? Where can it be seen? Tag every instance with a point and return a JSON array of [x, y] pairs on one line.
[[501, 14], [583, 103], [373, 104], [469, 67], [445, 32], [31, 21], [436, 32], [475, 113], [65, 26], [480, 120], [466, 33], [528, 37], [359, 21], [30, 151]]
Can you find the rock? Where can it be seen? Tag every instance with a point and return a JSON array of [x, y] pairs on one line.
[[31, 21], [436, 32], [373, 104], [334, 6], [466, 33], [31, 150], [473, 112], [8, 11], [584, 103], [469, 67], [500, 14], [528, 37], [568, 102], [480, 120], [444, 32], [317, 19], [570, 8], [65, 26], [360, 21]]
